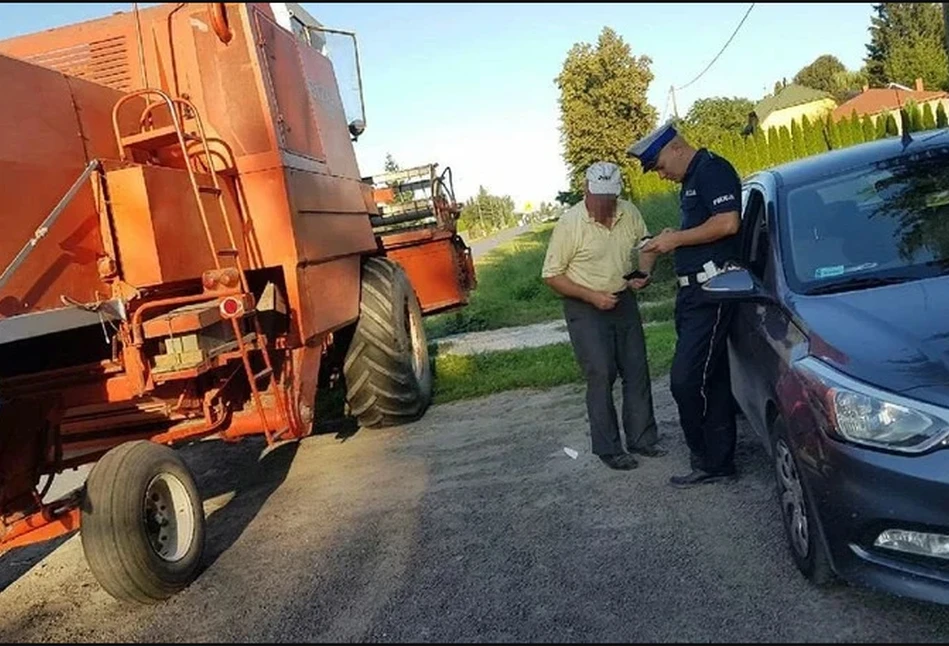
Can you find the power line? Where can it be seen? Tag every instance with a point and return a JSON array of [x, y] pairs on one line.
[[665, 109], [734, 33]]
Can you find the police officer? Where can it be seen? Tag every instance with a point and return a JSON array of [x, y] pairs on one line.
[[710, 201]]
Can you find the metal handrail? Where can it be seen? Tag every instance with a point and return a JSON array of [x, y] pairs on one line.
[[184, 151], [214, 177], [50, 220]]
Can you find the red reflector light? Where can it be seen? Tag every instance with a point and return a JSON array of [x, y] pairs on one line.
[[231, 307]]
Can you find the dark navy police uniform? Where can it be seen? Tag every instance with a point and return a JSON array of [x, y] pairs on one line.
[[700, 377]]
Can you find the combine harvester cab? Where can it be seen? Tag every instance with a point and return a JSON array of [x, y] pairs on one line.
[[188, 245]]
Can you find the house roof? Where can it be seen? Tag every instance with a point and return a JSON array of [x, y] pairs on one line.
[[790, 96], [878, 100]]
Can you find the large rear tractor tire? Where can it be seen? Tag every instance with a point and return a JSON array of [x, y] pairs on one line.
[[142, 526], [387, 370]]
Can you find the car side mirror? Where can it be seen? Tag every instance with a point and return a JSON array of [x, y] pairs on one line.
[[735, 284], [356, 128]]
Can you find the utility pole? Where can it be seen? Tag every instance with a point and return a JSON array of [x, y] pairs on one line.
[[672, 91]]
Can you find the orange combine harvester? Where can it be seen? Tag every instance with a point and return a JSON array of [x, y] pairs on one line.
[[186, 239]]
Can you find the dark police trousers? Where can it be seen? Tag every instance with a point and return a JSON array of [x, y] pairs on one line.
[[700, 379], [607, 342]]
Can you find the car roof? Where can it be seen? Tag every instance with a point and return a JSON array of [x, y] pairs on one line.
[[816, 167]]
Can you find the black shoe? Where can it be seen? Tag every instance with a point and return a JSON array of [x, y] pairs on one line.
[[620, 461], [699, 477], [695, 461], [650, 451]]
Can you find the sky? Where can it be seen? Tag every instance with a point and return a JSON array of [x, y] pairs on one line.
[[471, 86]]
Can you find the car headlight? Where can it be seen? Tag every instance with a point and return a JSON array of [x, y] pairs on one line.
[[867, 415]]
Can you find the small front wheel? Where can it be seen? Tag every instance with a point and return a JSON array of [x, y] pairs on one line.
[[143, 526]]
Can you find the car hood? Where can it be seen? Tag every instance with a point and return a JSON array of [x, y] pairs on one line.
[[895, 337]]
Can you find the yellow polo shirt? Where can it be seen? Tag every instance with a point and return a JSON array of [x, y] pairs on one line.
[[592, 255]]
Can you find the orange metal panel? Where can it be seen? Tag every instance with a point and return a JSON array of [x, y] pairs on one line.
[[160, 237], [383, 195], [42, 154], [329, 216], [437, 269], [297, 130], [37, 528], [330, 295]]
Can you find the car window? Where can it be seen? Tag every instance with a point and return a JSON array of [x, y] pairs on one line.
[[758, 242], [887, 219]]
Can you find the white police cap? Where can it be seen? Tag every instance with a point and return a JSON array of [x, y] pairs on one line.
[[647, 149]]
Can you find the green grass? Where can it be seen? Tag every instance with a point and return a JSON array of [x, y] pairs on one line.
[[467, 376], [511, 292]]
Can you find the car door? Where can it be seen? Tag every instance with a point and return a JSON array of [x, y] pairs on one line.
[[753, 362]]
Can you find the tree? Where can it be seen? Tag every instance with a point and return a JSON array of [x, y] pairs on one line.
[[798, 149], [856, 128], [915, 117], [709, 119], [764, 152], [833, 133], [877, 48], [891, 128], [603, 105], [817, 141], [822, 74], [486, 213], [906, 43], [785, 145], [929, 120], [941, 118], [945, 24], [569, 198], [882, 126], [399, 197], [846, 132], [869, 128], [850, 84]]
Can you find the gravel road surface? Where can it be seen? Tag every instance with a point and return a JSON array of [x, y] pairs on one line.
[[473, 524]]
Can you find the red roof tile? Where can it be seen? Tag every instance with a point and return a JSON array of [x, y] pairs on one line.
[[878, 99]]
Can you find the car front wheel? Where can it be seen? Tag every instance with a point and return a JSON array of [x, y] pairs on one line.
[[797, 515]]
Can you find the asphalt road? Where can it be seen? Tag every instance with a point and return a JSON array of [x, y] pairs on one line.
[[473, 524], [480, 248]]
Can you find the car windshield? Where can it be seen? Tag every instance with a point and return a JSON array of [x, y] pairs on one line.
[[887, 221]]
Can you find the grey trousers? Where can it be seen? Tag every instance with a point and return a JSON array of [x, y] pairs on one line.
[[606, 343]]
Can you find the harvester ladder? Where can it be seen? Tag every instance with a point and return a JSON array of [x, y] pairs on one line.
[[155, 138]]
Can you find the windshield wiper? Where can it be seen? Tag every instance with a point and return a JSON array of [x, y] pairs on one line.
[[858, 282]]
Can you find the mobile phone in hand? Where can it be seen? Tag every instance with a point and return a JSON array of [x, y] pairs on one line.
[[642, 243]]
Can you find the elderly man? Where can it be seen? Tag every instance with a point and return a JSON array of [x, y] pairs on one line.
[[710, 201], [589, 262]]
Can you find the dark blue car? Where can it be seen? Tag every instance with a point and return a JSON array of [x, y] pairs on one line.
[[840, 357]]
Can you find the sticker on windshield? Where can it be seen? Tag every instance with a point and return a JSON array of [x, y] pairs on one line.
[[824, 272]]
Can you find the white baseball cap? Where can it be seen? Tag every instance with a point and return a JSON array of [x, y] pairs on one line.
[[604, 178]]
